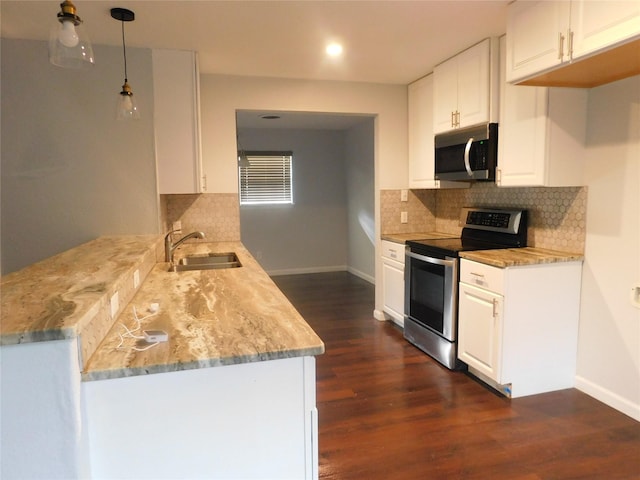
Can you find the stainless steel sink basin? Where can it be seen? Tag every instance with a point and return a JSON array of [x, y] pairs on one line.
[[206, 261]]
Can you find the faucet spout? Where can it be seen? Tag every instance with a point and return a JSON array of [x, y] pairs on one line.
[[170, 247]]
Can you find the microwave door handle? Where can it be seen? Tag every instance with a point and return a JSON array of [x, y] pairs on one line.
[[467, 150]]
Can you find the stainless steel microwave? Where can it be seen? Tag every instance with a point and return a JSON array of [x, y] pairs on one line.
[[467, 154]]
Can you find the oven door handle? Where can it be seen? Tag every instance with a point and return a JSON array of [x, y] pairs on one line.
[[437, 261]]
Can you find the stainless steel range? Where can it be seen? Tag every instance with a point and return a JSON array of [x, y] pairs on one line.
[[432, 275]]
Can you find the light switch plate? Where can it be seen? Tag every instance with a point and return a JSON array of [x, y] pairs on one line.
[[404, 195], [404, 218]]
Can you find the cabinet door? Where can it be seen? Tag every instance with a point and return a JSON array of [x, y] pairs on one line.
[[542, 135], [177, 121], [536, 37], [599, 24], [480, 330], [421, 149], [445, 95], [393, 289], [473, 85]]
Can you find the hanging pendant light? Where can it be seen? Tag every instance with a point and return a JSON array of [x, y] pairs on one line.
[[127, 107], [69, 45]]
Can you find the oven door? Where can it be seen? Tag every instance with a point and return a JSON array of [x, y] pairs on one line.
[[431, 291]]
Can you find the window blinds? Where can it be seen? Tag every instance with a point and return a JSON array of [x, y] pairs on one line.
[[267, 179]]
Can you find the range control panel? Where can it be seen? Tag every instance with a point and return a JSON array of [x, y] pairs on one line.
[[496, 220]]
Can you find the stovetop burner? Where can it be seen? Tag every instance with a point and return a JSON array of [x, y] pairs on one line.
[[483, 229]]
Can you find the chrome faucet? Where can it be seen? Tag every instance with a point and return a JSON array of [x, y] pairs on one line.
[[169, 246]]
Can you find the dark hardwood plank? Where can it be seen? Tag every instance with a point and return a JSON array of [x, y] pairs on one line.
[[388, 411]]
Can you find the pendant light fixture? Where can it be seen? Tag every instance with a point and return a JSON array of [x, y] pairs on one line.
[[127, 107], [69, 44]]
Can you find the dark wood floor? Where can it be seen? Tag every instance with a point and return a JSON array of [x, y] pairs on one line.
[[388, 411]]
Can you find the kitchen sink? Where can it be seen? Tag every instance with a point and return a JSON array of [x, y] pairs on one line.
[[206, 261]]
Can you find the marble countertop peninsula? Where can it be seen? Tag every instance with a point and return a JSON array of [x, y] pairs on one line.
[[515, 257], [212, 317], [68, 295], [404, 237]]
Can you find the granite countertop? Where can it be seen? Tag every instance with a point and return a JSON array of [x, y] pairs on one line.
[[514, 257], [213, 318], [59, 297], [405, 237]]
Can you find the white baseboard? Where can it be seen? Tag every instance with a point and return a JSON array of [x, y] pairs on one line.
[[608, 397], [302, 271], [362, 275], [380, 315]]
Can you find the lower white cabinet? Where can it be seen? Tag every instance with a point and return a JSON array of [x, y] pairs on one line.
[[393, 280], [518, 326]]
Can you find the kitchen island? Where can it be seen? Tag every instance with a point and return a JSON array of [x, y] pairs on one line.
[[230, 394]]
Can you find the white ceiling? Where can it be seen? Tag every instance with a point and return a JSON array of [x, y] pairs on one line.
[[391, 42]]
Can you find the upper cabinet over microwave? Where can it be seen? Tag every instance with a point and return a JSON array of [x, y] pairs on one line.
[[465, 88], [577, 43]]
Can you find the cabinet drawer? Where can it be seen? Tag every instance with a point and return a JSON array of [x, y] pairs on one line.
[[481, 275], [392, 250]]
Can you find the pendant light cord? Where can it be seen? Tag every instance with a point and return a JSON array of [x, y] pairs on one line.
[[124, 51]]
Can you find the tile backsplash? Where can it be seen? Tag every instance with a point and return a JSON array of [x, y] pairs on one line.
[[557, 215], [216, 214]]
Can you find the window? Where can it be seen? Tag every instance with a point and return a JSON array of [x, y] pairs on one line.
[[266, 180]]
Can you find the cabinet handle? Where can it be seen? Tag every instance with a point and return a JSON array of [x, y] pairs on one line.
[[569, 44], [204, 183], [498, 177], [495, 308], [560, 46], [453, 119]]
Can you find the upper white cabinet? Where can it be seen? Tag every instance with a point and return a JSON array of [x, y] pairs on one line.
[[466, 88], [544, 35], [177, 121], [542, 135], [421, 147]]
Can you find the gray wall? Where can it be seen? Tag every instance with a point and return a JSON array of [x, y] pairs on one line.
[[331, 224], [310, 235], [361, 200], [70, 171]]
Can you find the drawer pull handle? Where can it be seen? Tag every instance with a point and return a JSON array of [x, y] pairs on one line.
[[477, 274], [495, 308]]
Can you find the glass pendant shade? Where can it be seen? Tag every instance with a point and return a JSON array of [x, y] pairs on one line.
[[69, 44], [127, 107]]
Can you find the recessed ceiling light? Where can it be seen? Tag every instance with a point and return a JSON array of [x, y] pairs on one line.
[[334, 49]]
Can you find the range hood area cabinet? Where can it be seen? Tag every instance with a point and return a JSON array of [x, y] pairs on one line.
[[466, 88], [542, 135], [421, 147], [176, 98], [577, 43]]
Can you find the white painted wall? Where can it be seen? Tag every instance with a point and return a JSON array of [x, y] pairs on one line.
[[311, 234], [361, 196], [608, 365], [70, 171]]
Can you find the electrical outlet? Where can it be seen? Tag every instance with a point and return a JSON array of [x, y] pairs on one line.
[[403, 217], [404, 195], [136, 278], [115, 303], [177, 226]]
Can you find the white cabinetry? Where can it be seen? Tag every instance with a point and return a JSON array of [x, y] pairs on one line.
[[465, 88], [544, 35], [542, 135], [177, 121], [393, 280], [518, 326], [421, 147]]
